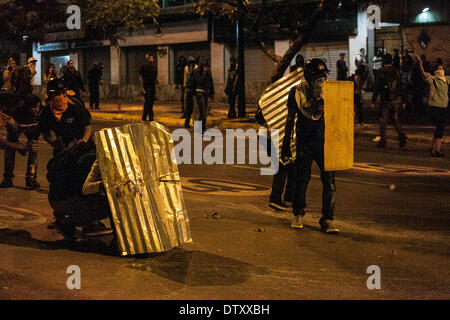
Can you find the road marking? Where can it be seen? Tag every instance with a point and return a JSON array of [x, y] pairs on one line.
[[14, 216], [208, 186], [400, 169], [338, 179]]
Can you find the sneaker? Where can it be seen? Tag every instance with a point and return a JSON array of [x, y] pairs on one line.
[[278, 205], [297, 222], [32, 184], [438, 154], [6, 183], [96, 229], [327, 226]]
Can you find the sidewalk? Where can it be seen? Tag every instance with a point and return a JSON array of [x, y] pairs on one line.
[[169, 113]]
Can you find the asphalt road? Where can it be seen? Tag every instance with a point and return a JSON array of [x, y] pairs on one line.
[[393, 209]]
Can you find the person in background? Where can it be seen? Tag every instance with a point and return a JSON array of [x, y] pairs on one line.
[[189, 83], [388, 88], [179, 81], [396, 59], [24, 120], [358, 80], [231, 88], [342, 69], [204, 89], [50, 74], [9, 76], [147, 78], [73, 79], [25, 79], [377, 63], [95, 76], [438, 104]]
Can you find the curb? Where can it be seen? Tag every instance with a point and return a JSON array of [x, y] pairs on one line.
[[223, 124]]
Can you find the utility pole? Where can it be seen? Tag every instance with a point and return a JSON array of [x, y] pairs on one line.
[[241, 62]]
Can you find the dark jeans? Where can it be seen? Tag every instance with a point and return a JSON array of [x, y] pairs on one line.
[[305, 156], [189, 107], [232, 104], [285, 172], [439, 116], [94, 101], [148, 105], [81, 210], [202, 101], [359, 108], [388, 110], [14, 130]]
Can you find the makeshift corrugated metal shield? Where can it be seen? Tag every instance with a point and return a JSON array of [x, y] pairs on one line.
[[273, 105], [142, 181]]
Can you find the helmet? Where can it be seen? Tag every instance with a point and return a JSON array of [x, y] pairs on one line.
[[314, 69], [191, 59], [55, 87]]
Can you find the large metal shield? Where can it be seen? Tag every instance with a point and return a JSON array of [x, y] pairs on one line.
[[142, 181], [339, 125], [273, 105]]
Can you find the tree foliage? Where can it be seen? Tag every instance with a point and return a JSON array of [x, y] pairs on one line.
[[111, 19], [23, 22]]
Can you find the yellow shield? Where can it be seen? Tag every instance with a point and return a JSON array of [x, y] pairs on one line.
[[339, 125]]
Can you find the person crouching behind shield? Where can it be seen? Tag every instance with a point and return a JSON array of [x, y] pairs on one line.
[[76, 193], [306, 102]]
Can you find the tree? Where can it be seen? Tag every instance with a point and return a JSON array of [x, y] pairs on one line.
[[112, 19], [23, 22], [270, 17]]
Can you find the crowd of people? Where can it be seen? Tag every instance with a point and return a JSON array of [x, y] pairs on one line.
[[400, 84]]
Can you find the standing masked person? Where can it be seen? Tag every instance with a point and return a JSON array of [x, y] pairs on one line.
[[9, 77], [64, 119], [148, 80], [306, 102], [387, 87], [189, 82], [23, 120], [231, 88], [95, 76], [204, 89], [73, 79], [179, 81], [358, 81]]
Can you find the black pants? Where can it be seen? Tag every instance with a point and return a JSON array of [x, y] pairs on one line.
[[388, 110], [232, 104], [439, 116], [305, 156], [359, 108], [81, 210], [285, 173], [202, 101], [148, 105], [32, 133], [94, 101], [189, 107]]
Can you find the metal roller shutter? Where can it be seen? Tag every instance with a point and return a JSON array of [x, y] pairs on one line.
[[258, 67], [327, 51]]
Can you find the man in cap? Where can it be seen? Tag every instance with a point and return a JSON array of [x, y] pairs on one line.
[[306, 102], [342, 69], [65, 117], [25, 81]]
